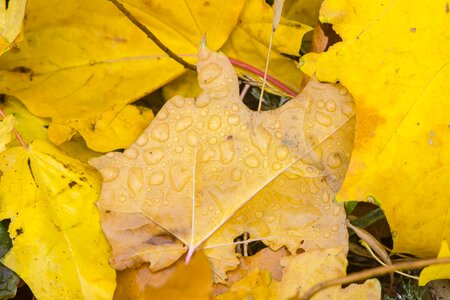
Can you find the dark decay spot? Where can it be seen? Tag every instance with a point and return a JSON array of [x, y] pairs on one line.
[[6, 3], [72, 183], [31, 170], [447, 8], [413, 29], [19, 231], [2, 98], [45, 126], [206, 4], [21, 69], [230, 137], [84, 179]]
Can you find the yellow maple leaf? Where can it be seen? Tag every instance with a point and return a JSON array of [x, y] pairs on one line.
[[58, 248], [11, 18], [189, 178], [81, 60], [31, 128], [6, 126], [303, 271], [441, 271], [394, 61]]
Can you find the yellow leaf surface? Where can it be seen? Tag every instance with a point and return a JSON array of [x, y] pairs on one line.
[[81, 60], [257, 285], [394, 61], [303, 271], [31, 128], [58, 248], [179, 281], [209, 169], [306, 12], [441, 271], [6, 127], [250, 39], [11, 18]]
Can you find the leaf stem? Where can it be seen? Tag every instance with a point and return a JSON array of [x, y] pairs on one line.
[[16, 133], [260, 73], [151, 36], [358, 276]]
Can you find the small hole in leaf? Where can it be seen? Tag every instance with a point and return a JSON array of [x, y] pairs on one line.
[[247, 248]]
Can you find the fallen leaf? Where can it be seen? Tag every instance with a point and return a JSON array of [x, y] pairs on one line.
[[8, 279], [306, 12], [433, 272], [303, 271], [402, 143], [201, 160], [11, 18], [31, 128], [6, 127], [255, 30], [55, 228], [179, 281], [81, 60], [256, 285]]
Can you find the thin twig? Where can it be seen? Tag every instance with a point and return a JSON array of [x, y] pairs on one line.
[[16, 133], [244, 91], [151, 36], [358, 276]]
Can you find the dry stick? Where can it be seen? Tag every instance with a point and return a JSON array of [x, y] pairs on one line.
[[151, 36], [358, 276], [16, 133]]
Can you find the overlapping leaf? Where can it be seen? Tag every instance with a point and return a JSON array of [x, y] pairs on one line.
[[190, 176], [58, 248], [81, 60], [11, 18], [397, 68]]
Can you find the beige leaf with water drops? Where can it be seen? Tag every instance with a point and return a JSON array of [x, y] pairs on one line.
[[202, 159]]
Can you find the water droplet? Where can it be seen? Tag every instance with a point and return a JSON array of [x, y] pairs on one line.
[[270, 219], [179, 176], [371, 199], [183, 124], [337, 210], [277, 124], [179, 149], [122, 199], [260, 138], [160, 132], [259, 214], [276, 166], [331, 106], [326, 207], [192, 139], [208, 153], [343, 91], [281, 152], [135, 180], [276, 206], [326, 235], [252, 161], [202, 100], [214, 122], [278, 135], [234, 108], [162, 114], [110, 154], [157, 178], [153, 155], [209, 72], [109, 173], [226, 151], [348, 109], [213, 140], [130, 153], [142, 140], [326, 197], [236, 174], [234, 119], [335, 228], [334, 161], [178, 101], [323, 119], [320, 104]]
